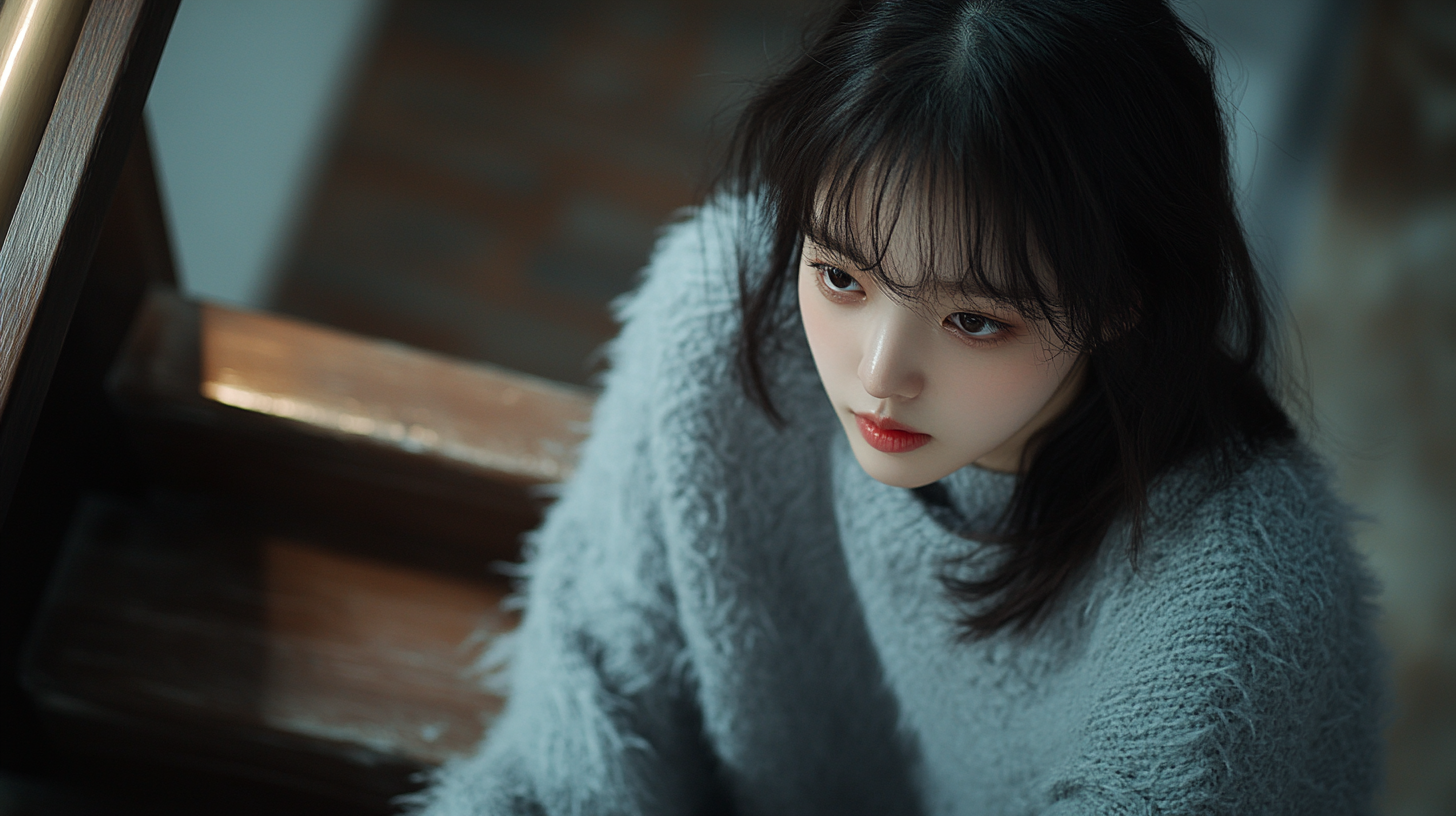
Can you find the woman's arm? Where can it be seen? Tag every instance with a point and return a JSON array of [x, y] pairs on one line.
[[601, 715]]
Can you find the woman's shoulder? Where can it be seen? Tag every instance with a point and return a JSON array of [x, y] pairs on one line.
[[672, 377], [1233, 664], [1267, 538], [693, 270], [680, 326], [1279, 499]]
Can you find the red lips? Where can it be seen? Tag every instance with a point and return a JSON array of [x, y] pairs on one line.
[[888, 436]]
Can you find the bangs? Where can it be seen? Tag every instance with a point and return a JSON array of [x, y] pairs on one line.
[[924, 225], [920, 202]]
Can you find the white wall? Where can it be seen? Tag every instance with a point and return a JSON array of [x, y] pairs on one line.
[[242, 105]]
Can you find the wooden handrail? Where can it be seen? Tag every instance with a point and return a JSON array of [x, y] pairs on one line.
[[53, 232], [37, 38]]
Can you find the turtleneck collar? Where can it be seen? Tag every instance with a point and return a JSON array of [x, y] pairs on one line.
[[971, 497]]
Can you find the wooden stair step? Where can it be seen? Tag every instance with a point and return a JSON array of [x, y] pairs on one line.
[[431, 448], [187, 638]]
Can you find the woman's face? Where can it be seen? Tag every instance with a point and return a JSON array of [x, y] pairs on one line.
[[925, 389]]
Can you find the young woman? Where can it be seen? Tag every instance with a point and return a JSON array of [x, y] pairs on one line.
[[1049, 546]]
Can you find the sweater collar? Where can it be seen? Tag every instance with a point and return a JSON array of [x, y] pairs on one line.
[[971, 497]]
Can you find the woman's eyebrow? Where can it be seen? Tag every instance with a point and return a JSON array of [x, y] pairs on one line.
[[957, 292], [968, 295], [839, 250]]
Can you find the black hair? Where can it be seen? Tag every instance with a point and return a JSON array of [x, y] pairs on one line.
[[1081, 137]]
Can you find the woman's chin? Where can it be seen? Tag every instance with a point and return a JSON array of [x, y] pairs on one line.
[[909, 470]]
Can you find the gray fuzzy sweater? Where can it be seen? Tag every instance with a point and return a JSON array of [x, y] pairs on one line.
[[722, 617]]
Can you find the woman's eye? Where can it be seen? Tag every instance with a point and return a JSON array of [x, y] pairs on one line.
[[837, 279], [975, 325]]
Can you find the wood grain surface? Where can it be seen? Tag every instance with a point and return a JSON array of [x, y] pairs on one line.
[[79, 442], [48, 247], [336, 430], [278, 579], [38, 39], [201, 642], [44, 266], [511, 426]]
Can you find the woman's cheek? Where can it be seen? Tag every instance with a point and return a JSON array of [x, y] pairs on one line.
[[999, 394]]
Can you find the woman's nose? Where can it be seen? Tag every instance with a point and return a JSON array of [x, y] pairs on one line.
[[890, 366]]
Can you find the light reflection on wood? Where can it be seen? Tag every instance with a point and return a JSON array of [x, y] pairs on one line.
[[519, 428], [37, 38]]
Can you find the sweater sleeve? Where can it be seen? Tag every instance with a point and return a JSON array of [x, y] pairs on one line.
[[1241, 674], [601, 716]]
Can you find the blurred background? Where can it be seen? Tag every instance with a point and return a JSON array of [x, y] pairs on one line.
[[482, 178]]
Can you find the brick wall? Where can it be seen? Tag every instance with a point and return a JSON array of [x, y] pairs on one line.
[[503, 167]]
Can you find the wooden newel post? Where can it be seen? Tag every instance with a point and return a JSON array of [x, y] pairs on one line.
[[78, 76], [74, 76]]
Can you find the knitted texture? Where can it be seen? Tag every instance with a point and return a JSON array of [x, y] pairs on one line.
[[723, 616]]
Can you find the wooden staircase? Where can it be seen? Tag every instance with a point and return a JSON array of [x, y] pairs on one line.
[[248, 563]]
